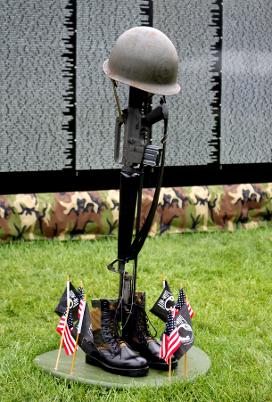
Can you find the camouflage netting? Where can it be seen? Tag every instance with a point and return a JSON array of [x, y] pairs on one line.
[[91, 214]]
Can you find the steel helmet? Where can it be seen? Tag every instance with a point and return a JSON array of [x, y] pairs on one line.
[[144, 58]]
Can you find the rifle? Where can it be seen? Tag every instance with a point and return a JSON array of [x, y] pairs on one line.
[[138, 154]]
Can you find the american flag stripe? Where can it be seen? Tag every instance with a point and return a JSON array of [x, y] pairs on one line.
[[81, 308], [69, 343], [81, 311], [174, 343], [61, 323], [190, 310], [163, 348]]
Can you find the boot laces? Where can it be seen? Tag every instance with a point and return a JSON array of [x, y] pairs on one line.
[[143, 322], [110, 332]]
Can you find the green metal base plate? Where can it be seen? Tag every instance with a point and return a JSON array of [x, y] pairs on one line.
[[197, 363]]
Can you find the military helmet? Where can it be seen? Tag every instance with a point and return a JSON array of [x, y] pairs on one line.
[[144, 58]]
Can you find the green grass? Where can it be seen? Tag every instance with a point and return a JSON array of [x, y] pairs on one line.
[[227, 276]]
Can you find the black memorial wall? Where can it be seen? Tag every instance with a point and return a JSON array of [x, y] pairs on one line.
[[57, 107]]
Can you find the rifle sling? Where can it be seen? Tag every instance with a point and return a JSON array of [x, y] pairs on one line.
[[141, 236]]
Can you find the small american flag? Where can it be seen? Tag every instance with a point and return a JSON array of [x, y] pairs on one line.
[[170, 339], [181, 301], [69, 343]]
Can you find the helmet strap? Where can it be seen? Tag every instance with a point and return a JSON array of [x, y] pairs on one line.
[[117, 100]]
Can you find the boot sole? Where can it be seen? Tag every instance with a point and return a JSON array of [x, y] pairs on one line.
[[141, 372]]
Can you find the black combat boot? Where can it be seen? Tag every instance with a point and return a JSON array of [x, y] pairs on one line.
[[110, 351], [136, 333]]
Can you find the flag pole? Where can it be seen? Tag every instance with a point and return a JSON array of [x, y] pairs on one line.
[[170, 368], [74, 355], [65, 323], [78, 333], [186, 365]]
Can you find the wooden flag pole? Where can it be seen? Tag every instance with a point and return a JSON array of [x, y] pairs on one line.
[[65, 323], [170, 368], [186, 365], [74, 355], [77, 337]]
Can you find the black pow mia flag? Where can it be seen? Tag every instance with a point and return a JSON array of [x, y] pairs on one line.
[[74, 296], [86, 335], [86, 341], [164, 303], [183, 322]]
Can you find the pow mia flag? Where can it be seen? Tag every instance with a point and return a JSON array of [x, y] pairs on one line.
[[184, 324], [74, 298], [86, 335], [164, 303]]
